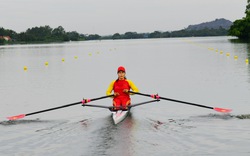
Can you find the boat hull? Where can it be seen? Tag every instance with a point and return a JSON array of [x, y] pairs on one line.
[[119, 116]]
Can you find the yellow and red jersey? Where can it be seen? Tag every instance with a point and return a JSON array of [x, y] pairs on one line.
[[119, 85]]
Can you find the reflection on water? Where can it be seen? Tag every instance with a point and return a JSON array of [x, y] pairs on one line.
[[113, 139], [242, 45]]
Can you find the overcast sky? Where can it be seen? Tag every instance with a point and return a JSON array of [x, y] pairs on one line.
[[106, 17]]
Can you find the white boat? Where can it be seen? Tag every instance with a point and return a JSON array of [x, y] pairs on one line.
[[119, 115]]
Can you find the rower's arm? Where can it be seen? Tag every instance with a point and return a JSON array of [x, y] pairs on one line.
[[133, 86], [110, 88]]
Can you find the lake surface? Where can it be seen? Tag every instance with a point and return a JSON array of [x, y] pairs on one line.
[[195, 70]]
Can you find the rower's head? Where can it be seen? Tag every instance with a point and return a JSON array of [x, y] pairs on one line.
[[121, 68], [121, 72]]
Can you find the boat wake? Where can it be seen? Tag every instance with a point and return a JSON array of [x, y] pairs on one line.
[[215, 116], [177, 124], [243, 116], [18, 122], [172, 124], [224, 116]]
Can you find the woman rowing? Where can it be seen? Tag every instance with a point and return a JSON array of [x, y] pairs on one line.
[[121, 87]]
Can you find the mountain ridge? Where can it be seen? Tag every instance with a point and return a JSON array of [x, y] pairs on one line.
[[215, 24]]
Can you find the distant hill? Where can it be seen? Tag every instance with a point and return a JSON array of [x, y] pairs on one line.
[[216, 24]]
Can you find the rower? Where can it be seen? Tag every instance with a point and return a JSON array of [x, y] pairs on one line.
[[121, 87]]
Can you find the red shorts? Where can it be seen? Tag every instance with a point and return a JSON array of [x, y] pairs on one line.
[[121, 101]]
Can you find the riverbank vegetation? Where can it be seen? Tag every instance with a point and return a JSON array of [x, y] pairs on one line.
[[46, 34], [241, 27]]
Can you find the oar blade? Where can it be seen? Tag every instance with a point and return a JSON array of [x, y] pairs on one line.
[[16, 117], [222, 110]]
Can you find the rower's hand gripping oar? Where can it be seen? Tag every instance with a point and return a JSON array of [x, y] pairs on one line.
[[222, 110], [89, 100], [20, 116]]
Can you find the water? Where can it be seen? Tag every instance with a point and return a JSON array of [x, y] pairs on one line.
[[187, 69]]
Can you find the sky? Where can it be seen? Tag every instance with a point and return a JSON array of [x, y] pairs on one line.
[[107, 17]]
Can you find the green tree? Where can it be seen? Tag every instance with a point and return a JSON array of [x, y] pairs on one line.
[[59, 34], [2, 41], [73, 36], [8, 32], [93, 37], [34, 34], [241, 27], [155, 34], [247, 12], [132, 35], [116, 36]]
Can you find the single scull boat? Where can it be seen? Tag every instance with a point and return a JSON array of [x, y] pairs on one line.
[[119, 115]]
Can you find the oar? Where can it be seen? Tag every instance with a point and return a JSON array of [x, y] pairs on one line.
[[142, 103], [97, 106], [223, 110], [20, 116]]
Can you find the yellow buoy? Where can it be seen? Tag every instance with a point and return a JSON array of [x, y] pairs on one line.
[[221, 52], [90, 54], [216, 50], [76, 57], [63, 59], [247, 61], [228, 54], [235, 57], [46, 63], [25, 68]]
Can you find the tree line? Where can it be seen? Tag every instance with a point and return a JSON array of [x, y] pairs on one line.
[[168, 34], [46, 34]]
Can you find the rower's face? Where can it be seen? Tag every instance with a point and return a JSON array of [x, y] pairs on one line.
[[121, 75]]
